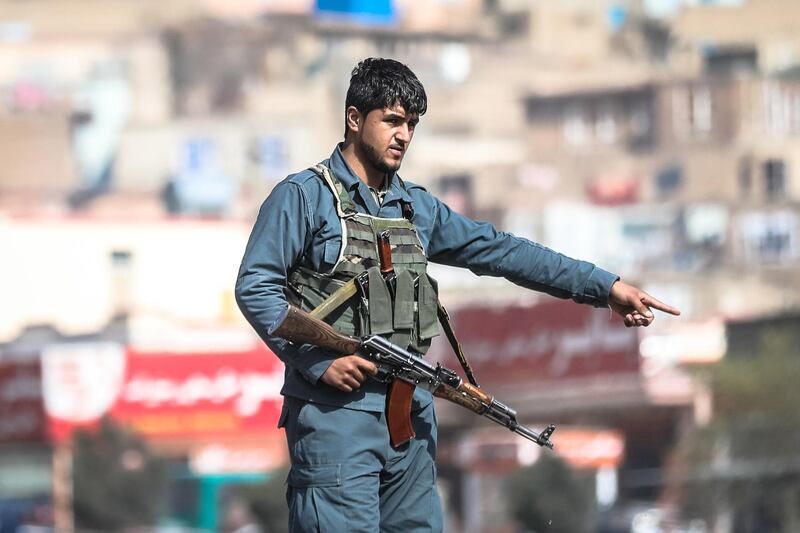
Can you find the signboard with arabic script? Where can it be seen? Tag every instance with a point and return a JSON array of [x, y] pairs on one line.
[[551, 340], [162, 395], [21, 408]]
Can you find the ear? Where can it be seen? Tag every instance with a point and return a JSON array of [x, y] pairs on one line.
[[353, 119]]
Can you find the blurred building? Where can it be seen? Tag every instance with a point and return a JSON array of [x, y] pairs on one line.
[[657, 139], [576, 367], [130, 315]]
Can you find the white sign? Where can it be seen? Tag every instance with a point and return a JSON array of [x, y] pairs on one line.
[[82, 381]]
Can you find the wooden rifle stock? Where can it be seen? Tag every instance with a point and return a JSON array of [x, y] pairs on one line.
[[300, 327]]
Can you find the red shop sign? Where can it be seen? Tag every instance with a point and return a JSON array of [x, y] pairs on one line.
[[552, 340], [21, 408], [163, 395]]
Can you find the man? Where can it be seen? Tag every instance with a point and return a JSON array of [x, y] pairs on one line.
[[319, 228]]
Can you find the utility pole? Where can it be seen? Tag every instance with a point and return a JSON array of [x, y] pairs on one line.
[[62, 488]]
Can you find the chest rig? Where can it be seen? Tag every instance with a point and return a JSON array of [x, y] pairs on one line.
[[404, 312]]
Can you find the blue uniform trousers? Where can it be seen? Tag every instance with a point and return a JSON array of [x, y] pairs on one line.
[[346, 477]]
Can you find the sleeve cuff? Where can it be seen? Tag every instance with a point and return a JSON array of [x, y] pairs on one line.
[[597, 288], [309, 360], [312, 361], [278, 321]]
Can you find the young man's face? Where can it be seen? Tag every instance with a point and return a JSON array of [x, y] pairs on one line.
[[384, 135]]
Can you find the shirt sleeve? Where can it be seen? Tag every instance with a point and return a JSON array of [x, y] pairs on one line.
[[459, 241], [276, 244]]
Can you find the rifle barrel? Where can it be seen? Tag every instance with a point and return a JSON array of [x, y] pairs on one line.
[[542, 439]]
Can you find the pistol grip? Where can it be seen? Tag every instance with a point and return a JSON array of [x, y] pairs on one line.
[[398, 412]]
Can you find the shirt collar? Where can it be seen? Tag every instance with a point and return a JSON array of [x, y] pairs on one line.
[[351, 181], [342, 170]]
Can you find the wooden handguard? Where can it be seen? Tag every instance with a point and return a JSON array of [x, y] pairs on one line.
[[465, 395], [398, 412]]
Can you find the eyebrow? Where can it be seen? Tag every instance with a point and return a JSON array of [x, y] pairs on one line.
[[392, 115]]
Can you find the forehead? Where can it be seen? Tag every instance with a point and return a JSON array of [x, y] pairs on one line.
[[397, 110]]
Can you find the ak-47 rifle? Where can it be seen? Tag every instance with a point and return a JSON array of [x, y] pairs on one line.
[[396, 364]]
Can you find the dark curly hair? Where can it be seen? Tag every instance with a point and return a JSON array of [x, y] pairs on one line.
[[376, 83]]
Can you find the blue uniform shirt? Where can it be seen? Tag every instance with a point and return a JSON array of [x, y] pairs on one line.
[[298, 225]]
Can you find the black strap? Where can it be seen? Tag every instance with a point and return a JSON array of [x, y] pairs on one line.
[[444, 320]]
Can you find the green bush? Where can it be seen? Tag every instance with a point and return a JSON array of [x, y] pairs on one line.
[[268, 502], [550, 497], [117, 482]]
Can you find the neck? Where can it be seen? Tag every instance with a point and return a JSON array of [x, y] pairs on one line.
[[361, 166]]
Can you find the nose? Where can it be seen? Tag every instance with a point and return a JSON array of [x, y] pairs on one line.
[[403, 134]]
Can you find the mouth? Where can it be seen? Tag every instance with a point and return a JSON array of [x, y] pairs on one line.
[[396, 151]]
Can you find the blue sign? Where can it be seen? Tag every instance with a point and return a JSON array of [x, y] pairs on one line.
[[197, 155], [617, 14], [365, 11], [272, 157], [200, 185]]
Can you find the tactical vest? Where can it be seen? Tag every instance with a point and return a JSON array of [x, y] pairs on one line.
[[406, 313]]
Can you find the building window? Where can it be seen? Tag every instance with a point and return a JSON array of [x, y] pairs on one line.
[[577, 131], [586, 124], [701, 109], [734, 59], [745, 173], [121, 281], [669, 180], [121, 259], [692, 111], [774, 179], [605, 126], [769, 237], [781, 109], [641, 127]]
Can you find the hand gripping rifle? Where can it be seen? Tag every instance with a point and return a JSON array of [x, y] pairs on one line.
[[398, 365]]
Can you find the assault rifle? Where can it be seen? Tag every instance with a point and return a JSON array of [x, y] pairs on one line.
[[397, 365]]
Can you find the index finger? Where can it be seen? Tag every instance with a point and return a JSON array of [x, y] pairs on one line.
[[367, 366], [661, 306]]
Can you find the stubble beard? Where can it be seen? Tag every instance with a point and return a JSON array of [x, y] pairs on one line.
[[374, 158]]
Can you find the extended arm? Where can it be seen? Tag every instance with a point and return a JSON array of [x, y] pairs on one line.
[[459, 241]]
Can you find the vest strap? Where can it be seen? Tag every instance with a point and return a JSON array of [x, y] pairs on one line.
[[344, 205]]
